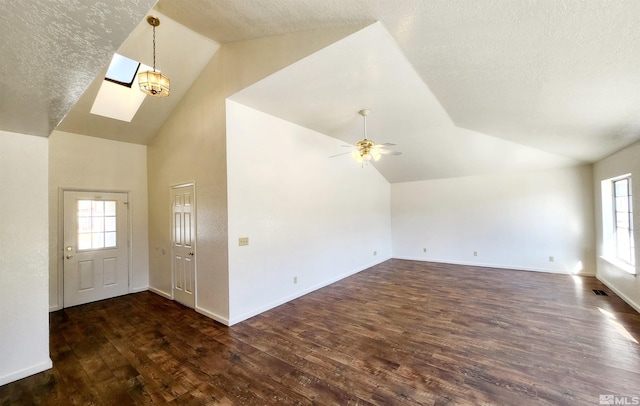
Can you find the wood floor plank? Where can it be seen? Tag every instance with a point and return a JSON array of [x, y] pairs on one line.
[[400, 333]]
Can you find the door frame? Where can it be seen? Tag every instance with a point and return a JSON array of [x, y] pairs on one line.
[[195, 245], [60, 248]]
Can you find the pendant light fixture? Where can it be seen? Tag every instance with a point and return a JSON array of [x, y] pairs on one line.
[[153, 82]]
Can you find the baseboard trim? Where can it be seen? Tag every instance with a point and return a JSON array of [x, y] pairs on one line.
[[213, 316], [160, 292], [498, 266], [276, 303], [622, 296], [200, 310], [23, 373], [138, 290]]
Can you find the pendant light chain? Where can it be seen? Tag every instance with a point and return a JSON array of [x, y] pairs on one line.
[[154, 48], [153, 82]]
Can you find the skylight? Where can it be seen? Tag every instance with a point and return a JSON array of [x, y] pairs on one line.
[[117, 97], [122, 70]]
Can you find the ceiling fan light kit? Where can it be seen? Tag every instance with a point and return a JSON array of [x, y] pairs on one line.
[[367, 150], [365, 153]]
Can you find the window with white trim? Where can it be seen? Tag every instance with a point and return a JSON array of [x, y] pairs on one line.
[[96, 224], [623, 220], [617, 223]]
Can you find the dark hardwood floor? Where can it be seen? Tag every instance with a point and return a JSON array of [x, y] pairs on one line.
[[401, 332]]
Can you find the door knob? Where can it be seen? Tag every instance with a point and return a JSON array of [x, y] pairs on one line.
[[69, 256], [191, 253]]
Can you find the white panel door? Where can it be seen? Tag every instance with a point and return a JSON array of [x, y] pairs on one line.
[[95, 251], [183, 236]]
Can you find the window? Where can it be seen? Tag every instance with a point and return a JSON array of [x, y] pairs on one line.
[[122, 70], [118, 97], [618, 245], [623, 220], [96, 224]]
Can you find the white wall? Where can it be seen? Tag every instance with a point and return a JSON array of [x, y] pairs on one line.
[[24, 315], [79, 162], [306, 215], [191, 146], [515, 220], [626, 285]]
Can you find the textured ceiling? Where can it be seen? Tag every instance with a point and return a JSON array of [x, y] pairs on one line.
[[558, 75], [368, 70], [180, 54], [51, 50], [555, 80]]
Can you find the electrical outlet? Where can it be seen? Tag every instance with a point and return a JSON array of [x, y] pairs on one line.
[[242, 241], [550, 258], [375, 253], [475, 253], [424, 250], [295, 280]]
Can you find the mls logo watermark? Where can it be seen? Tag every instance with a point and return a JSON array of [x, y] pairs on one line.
[[619, 400]]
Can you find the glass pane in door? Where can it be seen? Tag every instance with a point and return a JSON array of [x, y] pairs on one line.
[[96, 224]]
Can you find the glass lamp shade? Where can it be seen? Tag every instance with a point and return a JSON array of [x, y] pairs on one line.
[[356, 156], [154, 83]]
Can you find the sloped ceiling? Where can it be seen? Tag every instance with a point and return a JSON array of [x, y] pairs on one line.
[[51, 51], [557, 75], [325, 91], [544, 82], [181, 54]]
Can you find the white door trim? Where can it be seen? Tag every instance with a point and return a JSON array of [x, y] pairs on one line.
[[60, 247]]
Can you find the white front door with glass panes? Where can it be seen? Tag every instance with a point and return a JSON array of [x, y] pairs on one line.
[[95, 251]]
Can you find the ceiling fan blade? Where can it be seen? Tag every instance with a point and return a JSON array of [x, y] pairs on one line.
[[344, 153], [386, 144], [389, 152]]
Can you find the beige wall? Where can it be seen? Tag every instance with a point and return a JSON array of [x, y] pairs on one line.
[[24, 316], [511, 220], [621, 163], [191, 146], [78, 162], [302, 212]]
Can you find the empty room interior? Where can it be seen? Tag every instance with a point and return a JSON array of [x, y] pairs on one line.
[[319, 202]]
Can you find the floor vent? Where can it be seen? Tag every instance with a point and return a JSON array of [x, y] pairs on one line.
[[600, 292]]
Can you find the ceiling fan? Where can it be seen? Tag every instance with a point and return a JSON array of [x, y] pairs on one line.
[[367, 150]]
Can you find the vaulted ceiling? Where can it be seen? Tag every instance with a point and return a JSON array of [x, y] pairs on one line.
[[462, 87]]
